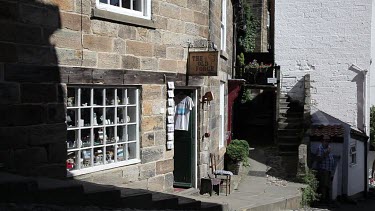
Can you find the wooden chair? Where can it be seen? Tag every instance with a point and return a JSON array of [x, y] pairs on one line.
[[224, 176]]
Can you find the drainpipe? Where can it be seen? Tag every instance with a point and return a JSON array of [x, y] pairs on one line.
[[366, 129]]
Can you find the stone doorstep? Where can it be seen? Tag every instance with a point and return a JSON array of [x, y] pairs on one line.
[[290, 203]]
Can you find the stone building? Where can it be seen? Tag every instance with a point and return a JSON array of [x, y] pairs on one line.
[[84, 89]]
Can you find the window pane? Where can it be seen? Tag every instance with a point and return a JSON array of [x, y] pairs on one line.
[[71, 142], [85, 120], [132, 133], [98, 97], [132, 150], [72, 161], [110, 97], [104, 1], [98, 156], [137, 5], [98, 136], [86, 138], [121, 115], [71, 99], [115, 2], [121, 133], [98, 116], [121, 152], [85, 97], [110, 116], [132, 115], [132, 96], [110, 154], [121, 97], [71, 117], [126, 4], [86, 158], [110, 134]]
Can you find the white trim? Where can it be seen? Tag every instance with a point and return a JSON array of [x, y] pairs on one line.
[[196, 139], [145, 13], [222, 125], [101, 167], [223, 28]]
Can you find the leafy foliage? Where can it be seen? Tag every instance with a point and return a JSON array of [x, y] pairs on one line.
[[372, 125], [309, 193], [238, 150], [251, 28]]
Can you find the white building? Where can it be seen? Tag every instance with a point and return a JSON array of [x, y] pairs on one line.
[[330, 40]]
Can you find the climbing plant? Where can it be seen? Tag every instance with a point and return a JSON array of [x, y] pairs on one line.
[[309, 193], [249, 30], [372, 125]]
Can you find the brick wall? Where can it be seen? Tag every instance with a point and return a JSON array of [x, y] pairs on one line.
[[324, 38]]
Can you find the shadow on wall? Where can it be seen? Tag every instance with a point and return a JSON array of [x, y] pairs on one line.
[[32, 123], [359, 79]]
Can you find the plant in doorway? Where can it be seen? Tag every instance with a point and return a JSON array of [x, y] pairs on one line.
[[237, 153]]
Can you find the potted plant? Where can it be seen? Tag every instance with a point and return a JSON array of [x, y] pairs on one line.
[[237, 153]]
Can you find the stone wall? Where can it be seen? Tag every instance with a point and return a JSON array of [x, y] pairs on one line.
[[32, 123], [324, 39], [259, 9], [51, 44]]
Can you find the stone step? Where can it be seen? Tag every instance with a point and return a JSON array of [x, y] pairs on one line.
[[288, 153], [164, 201], [288, 147], [288, 132], [290, 119], [291, 113], [290, 125], [207, 206], [56, 191], [95, 194], [188, 204], [287, 138], [16, 188], [134, 198]]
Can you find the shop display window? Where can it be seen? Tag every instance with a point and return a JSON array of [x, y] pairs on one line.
[[103, 126]]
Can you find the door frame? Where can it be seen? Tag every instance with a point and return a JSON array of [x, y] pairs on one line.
[[194, 160]]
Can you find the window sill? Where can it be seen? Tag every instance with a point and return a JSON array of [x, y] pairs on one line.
[[101, 168], [223, 54], [121, 18]]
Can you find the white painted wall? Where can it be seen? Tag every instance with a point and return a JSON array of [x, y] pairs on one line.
[[372, 71], [324, 38], [356, 172]]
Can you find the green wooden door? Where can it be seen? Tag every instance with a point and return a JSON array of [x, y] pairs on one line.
[[184, 152]]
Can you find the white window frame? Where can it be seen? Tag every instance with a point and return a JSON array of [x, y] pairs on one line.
[[222, 116], [223, 29], [145, 13], [353, 154], [123, 125]]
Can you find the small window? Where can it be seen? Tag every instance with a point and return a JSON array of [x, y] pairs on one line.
[[353, 155], [223, 31], [102, 128], [136, 8]]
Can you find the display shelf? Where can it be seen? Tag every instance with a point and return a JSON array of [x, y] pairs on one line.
[[101, 124]]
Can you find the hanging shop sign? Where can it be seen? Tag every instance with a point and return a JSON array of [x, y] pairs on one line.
[[203, 63]]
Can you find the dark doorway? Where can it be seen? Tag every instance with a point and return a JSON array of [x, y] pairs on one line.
[[254, 114], [184, 144]]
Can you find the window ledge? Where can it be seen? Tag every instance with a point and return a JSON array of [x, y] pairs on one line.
[[223, 54], [112, 16]]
